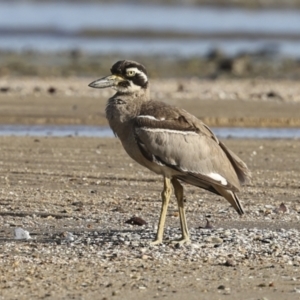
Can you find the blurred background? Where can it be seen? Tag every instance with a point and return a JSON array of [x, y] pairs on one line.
[[238, 38]]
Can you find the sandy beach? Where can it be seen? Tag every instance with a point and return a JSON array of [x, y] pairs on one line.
[[74, 195], [225, 102]]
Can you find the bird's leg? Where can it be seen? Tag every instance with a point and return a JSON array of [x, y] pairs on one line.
[[178, 189], [165, 196]]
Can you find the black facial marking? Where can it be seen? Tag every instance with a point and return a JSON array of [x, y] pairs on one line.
[[124, 84], [120, 67]]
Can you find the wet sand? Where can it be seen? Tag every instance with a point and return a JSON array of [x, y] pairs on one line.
[[90, 187], [225, 102]]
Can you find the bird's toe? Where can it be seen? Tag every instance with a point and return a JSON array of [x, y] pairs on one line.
[[156, 242], [182, 241]]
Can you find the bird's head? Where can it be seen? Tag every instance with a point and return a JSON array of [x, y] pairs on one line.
[[127, 77]]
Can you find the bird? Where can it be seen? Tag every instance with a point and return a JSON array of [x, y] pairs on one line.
[[170, 142]]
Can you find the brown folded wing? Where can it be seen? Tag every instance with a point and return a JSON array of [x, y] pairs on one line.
[[173, 138]]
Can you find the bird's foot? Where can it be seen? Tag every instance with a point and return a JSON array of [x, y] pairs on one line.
[[156, 242]]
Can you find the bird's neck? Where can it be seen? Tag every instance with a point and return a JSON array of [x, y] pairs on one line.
[[142, 94], [122, 108]]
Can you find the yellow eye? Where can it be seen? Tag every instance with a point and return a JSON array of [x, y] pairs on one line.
[[130, 73]]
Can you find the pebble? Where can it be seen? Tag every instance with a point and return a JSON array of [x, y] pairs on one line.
[[21, 234], [217, 240], [230, 263], [234, 246], [136, 221], [68, 236]]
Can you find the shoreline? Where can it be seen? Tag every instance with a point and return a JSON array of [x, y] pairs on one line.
[[218, 103], [214, 65]]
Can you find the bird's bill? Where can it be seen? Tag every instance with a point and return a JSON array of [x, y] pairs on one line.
[[108, 81]]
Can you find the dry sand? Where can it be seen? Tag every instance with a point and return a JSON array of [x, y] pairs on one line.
[[90, 187]]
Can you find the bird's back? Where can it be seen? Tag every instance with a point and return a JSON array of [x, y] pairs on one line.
[[179, 140]]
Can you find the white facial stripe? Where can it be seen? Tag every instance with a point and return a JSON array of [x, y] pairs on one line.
[[164, 130], [217, 177], [137, 71], [120, 88]]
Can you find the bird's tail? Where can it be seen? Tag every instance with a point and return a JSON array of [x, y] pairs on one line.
[[232, 198], [239, 166]]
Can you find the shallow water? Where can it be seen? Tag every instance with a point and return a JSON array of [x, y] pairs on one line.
[[100, 131], [65, 19], [76, 16]]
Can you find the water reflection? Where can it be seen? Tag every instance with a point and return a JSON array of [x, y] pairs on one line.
[[48, 26], [99, 131]]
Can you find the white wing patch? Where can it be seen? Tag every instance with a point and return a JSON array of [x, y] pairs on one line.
[[217, 177], [151, 118], [148, 117], [165, 130]]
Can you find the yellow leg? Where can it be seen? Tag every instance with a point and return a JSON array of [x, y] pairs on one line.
[[178, 189], [165, 195]]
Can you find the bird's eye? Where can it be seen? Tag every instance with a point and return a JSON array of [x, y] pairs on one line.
[[130, 73]]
